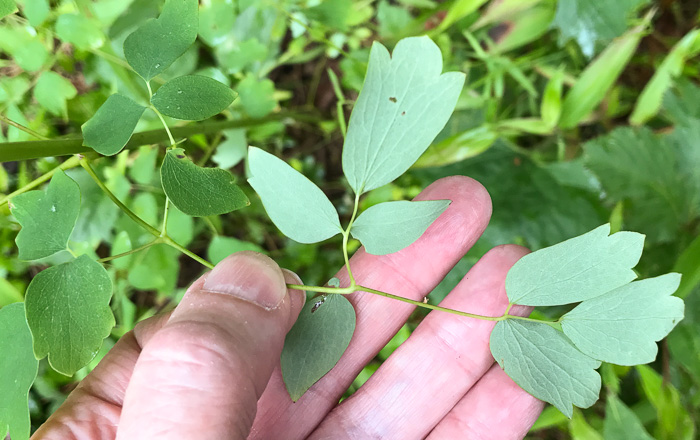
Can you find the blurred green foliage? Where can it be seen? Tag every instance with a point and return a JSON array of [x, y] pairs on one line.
[[559, 119]]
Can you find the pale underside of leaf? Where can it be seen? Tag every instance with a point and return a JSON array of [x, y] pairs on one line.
[[545, 364], [623, 326], [575, 270], [295, 204], [405, 102], [391, 226], [68, 313], [316, 342]]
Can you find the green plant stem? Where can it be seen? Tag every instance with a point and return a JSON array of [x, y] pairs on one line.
[[70, 163], [86, 165], [169, 241], [164, 229], [133, 251], [15, 151], [19, 126], [167, 129], [346, 236]]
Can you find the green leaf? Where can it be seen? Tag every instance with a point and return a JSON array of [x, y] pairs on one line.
[[551, 99], [157, 270], [674, 421], [544, 363], [68, 313], [458, 147], [649, 101], [295, 205], [153, 47], [192, 98], [18, 369], [180, 227], [687, 265], [51, 92], [458, 10], [316, 342], [221, 247], [112, 125], [577, 269], [404, 104], [391, 226], [590, 22], [47, 218], [581, 430], [257, 96], [621, 423], [79, 31], [7, 7], [36, 11], [198, 191], [598, 78], [332, 13], [622, 326], [216, 20], [657, 176], [142, 170]]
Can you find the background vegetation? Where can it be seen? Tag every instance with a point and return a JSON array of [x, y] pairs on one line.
[[575, 113]]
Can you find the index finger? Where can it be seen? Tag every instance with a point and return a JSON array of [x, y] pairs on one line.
[[411, 273]]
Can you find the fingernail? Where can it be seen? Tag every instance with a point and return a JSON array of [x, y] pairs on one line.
[[250, 276]]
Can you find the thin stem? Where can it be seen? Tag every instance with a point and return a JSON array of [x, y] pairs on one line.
[[169, 241], [133, 251], [430, 306], [70, 163], [164, 230], [346, 236], [319, 289], [167, 129], [19, 126], [150, 229], [70, 251]]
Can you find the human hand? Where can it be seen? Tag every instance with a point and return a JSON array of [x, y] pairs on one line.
[[210, 370]]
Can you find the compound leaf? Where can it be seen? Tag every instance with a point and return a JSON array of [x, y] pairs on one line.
[[51, 92], [405, 102], [18, 369], [577, 269], [391, 226], [316, 342], [192, 98], [68, 313], [295, 205], [197, 191], [47, 218], [111, 127], [622, 326], [153, 47], [544, 363]]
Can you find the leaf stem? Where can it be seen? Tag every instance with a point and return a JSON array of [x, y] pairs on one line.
[[167, 129], [169, 241], [19, 126], [70, 163], [164, 229], [153, 231], [133, 251], [346, 236]]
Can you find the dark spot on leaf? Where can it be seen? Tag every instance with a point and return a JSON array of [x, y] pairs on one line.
[[403, 113], [318, 303], [392, 99], [180, 156]]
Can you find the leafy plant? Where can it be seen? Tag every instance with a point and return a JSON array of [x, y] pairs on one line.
[[593, 314]]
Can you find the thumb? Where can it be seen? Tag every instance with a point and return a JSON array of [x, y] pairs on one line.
[[201, 375]]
